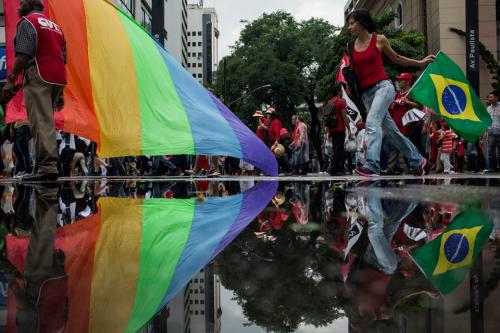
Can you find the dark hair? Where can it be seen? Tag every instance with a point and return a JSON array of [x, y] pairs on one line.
[[336, 89], [363, 17], [495, 93], [35, 4]]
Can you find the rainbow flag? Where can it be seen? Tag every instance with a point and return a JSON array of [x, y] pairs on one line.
[[127, 262], [126, 93]]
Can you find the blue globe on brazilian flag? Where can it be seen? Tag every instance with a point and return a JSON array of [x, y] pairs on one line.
[[446, 260], [444, 88]]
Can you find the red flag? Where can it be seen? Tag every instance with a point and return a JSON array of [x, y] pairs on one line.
[[343, 63]]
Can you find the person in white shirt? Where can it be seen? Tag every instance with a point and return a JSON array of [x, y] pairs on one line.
[[493, 160]]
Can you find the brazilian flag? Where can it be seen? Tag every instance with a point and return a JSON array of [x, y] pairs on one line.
[[444, 88], [446, 260]]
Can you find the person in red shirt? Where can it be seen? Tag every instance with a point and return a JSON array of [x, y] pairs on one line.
[[401, 105], [368, 50], [274, 135], [337, 133], [446, 139], [262, 126], [398, 109], [274, 126]]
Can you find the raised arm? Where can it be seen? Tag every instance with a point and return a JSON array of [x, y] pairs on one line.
[[384, 45]]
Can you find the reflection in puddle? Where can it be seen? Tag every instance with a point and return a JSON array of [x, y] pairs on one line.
[[356, 255], [222, 256], [114, 270]]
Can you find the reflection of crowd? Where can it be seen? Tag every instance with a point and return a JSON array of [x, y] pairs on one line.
[[369, 239]]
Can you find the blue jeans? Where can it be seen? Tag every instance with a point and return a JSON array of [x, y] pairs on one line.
[[378, 122], [383, 222]]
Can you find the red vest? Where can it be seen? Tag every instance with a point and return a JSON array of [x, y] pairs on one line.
[[50, 47]]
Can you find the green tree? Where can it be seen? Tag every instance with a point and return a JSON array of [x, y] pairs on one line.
[[291, 56], [282, 285]]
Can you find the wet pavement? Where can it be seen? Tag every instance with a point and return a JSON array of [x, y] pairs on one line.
[[309, 254]]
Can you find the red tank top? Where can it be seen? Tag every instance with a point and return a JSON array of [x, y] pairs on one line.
[[369, 65], [50, 47]]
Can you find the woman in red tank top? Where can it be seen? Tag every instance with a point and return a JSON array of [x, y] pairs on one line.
[[378, 93]]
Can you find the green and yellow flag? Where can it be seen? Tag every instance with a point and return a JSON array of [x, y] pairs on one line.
[[447, 259], [444, 88]]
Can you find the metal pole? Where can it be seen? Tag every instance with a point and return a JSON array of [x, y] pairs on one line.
[[472, 63], [249, 93], [224, 80]]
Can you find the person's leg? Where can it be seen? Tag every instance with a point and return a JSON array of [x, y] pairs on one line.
[[377, 103], [446, 162], [338, 139], [401, 142], [39, 98], [379, 253], [21, 149], [496, 151]]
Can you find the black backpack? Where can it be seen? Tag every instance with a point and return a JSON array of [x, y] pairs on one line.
[[329, 115]]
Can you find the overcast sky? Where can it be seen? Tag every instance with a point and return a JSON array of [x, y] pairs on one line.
[[230, 12]]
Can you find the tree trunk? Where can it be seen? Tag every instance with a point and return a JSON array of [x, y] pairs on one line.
[[315, 130]]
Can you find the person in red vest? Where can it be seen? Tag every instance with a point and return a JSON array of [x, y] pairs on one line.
[[40, 53]]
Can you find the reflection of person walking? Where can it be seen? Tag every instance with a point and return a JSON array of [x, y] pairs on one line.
[[368, 50], [40, 52]]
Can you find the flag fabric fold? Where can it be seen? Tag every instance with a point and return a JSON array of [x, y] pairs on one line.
[[444, 88], [127, 262], [447, 259], [127, 94]]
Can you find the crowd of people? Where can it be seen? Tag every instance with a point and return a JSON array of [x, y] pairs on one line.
[[393, 137]]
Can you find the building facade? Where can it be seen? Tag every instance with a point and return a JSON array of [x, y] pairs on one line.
[[434, 18], [203, 35], [176, 24], [174, 18], [195, 309]]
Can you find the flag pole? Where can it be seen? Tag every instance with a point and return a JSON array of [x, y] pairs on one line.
[[472, 70]]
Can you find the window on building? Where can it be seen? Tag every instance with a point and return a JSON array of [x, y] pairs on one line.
[[190, 290], [194, 75], [200, 54], [200, 64], [200, 76], [193, 33], [196, 291], [202, 302], [189, 33], [196, 312], [189, 43], [189, 54], [202, 312], [145, 17], [196, 302], [127, 5], [399, 15], [195, 280], [201, 280], [190, 312], [191, 301], [199, 43], [189, 64], [199, 33], [2, 17]]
